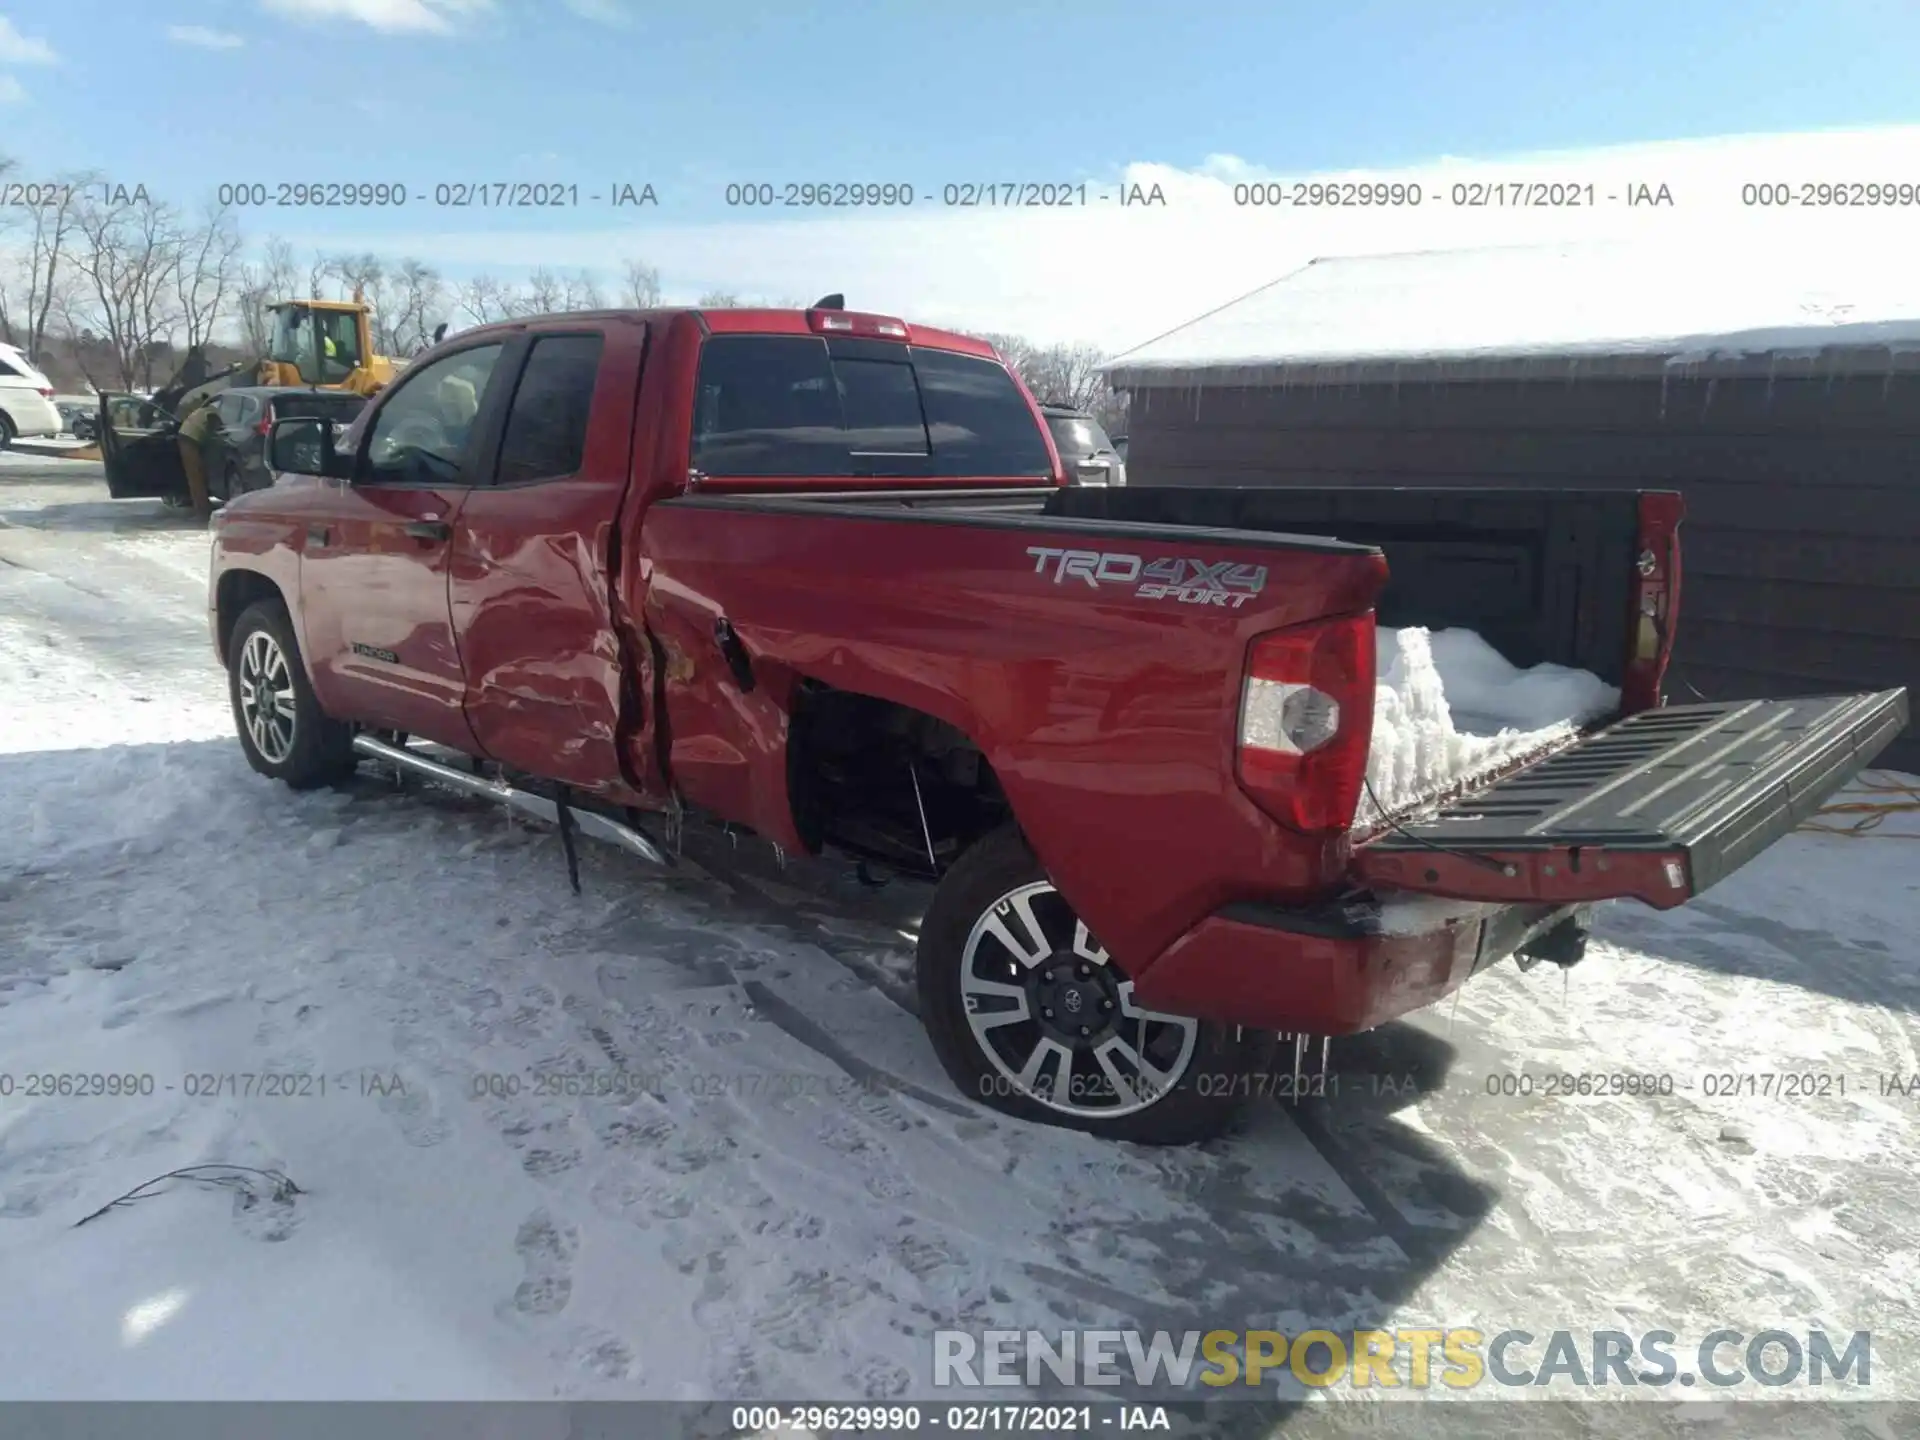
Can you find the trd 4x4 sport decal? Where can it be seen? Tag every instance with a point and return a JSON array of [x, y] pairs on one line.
[[1192, 582]]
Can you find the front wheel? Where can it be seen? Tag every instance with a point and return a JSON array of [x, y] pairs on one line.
[[1030, 1015], [282, 729]]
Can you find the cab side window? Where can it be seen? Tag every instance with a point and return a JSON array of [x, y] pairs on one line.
[[546, 434], [420, 436]]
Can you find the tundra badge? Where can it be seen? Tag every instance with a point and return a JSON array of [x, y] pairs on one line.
[[1191, 582]]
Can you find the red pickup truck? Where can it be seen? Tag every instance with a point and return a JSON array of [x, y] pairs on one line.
[[820, 574]]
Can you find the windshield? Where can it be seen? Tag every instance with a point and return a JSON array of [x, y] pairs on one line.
[[323, 345], [339, 344], [1079, 437]]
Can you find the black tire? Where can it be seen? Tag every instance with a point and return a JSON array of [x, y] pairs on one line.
[[7, 432], [1207, 1088], [311, 749], [230, 482]]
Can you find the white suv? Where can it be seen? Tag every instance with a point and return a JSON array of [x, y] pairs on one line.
[[26, 399]]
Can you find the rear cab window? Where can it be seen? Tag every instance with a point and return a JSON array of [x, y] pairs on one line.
[[546, 434], [808, 407]]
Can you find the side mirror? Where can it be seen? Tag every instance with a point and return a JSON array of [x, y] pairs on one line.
[[304, 445], [439, 332]]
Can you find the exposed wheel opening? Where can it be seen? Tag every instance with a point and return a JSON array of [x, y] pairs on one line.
[[238, 590], [887, 783]]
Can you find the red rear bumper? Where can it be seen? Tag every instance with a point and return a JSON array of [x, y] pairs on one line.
[[1329, 971]]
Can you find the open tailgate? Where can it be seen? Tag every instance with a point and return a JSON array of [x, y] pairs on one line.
[[1658, 806]]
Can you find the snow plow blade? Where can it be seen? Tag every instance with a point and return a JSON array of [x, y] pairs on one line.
[[1657, 807]]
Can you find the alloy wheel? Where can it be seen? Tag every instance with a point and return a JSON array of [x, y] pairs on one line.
[[266, 697], [1056, 1017]]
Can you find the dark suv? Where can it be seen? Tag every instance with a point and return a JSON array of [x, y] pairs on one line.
[[235, 448], [140, 440], [1090, 456]]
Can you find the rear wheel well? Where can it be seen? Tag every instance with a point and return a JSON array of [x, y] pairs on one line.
[[887, 782], [237, 590]]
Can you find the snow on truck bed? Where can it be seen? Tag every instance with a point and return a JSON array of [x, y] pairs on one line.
[[1449, 710]]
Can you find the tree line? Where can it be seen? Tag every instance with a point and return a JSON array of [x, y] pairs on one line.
[[113, 287]]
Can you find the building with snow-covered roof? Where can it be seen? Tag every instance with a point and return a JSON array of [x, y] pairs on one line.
[[1779, 392]]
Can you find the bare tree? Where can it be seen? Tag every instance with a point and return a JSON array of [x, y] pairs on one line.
[[406, 299], [42, 271], [10, 317], [403, 296], [641, 289], [207, 274], [544, 293], [362, 272], [548, 293], [719, 300], [272, 279], [486, 299], [126, 252], [1066, 375]]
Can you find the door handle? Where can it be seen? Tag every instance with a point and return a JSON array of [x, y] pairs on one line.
[[430, 530]]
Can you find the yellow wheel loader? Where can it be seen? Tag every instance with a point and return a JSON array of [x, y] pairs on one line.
[[327, 344]]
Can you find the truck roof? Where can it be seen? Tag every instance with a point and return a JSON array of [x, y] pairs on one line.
[[755, 321]]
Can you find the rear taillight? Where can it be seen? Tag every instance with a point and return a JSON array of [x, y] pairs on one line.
[[46, 392], [1656, 599], [1306, 722], [266, 421]]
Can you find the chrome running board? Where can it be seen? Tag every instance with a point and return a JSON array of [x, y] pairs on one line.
[[587, 822]]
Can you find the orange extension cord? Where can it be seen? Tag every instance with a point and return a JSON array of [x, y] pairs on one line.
[[1867, 815]]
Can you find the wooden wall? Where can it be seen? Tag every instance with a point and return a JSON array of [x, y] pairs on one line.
[[1801, 549]]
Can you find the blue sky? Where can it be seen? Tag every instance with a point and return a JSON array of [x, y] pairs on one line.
[[692, 94], [180, 94]]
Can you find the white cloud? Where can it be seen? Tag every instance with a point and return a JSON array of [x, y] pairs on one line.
[[12, 92], [18, 49], [604, 12], [1117, 276], [203, 37], [434, 17]]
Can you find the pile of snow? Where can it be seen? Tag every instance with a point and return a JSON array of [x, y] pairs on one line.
[[1449, 709]]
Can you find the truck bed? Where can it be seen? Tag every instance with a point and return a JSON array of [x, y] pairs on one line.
[[1107, 712], [1543, 578]]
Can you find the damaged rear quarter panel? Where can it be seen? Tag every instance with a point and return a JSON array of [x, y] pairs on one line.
[[1108, 716]]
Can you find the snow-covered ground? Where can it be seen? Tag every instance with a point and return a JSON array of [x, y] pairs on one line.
[[776, 1192]]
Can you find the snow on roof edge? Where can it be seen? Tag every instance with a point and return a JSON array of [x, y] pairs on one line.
[[1782, 353], [1533, 310]]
